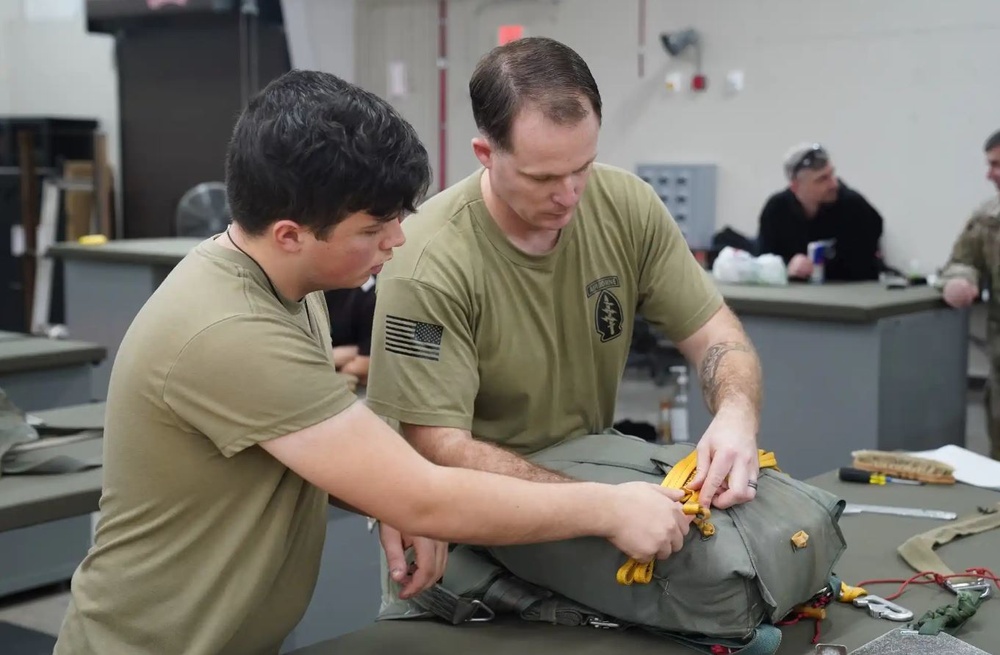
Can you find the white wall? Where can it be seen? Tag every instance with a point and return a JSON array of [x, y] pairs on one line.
[[320, 35], [903, 92], [50, 65], [406, 31], [8, 11]]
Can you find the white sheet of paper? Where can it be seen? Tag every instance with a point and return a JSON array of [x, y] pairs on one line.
[[970, 468]]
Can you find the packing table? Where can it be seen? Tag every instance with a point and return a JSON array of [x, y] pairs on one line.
[[871, 553], [45, 523], [39, 373]]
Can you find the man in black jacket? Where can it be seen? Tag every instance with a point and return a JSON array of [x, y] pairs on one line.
[[817, 206]]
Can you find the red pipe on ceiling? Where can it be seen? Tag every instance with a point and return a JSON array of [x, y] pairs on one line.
[[442, 93], [642, 38]]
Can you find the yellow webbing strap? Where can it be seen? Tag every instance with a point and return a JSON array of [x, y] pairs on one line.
[[679, 477], [848, 593]]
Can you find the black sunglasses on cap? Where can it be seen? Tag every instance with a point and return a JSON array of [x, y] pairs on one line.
[[814, 158]]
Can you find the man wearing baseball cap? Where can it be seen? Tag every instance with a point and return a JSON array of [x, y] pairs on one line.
[[817, 206]]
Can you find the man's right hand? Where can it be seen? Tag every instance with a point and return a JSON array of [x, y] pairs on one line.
[[651, 521], [959, 292], [800, 266]]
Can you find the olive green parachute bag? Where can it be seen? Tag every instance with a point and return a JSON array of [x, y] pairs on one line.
[[741, 570]]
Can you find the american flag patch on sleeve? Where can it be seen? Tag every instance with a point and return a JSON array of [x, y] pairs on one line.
[[405, 336]]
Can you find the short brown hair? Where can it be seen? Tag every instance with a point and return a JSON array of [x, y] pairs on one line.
[[535, 70], [992, 142]]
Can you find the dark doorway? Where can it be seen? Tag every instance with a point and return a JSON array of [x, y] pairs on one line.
[[180, 90]]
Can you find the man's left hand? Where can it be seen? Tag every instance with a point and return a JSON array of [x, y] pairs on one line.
[[728, 463], [430, 557], [350, 380]]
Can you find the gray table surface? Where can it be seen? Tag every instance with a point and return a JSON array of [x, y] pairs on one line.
[[27, 500], [168, 250], [872, 542], [6, 336], [34, 353], [854, 302]]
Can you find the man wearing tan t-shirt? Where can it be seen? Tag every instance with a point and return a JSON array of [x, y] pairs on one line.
[[228, 429], [504, 324]]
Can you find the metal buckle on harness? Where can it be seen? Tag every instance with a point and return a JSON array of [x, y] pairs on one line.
[[982, 585], [880, 608], [479, 605], [602, 624]]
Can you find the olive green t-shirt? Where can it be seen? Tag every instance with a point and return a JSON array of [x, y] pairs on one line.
[[525, 351], [207, 544]]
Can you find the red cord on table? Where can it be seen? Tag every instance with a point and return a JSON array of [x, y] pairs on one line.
[[932, 578]]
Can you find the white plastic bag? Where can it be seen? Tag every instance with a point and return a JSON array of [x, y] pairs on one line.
[[771, 270], [735, 266], [732, 266]]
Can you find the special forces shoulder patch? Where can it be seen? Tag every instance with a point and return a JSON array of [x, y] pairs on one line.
[[608, 316], [607, 309]]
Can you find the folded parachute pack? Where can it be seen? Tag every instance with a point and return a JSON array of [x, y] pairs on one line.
[[741, 570]]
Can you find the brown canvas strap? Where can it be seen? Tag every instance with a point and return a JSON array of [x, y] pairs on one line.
[[918, 551]]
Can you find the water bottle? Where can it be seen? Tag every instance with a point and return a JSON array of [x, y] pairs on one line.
[[663, 418], [679, 407]]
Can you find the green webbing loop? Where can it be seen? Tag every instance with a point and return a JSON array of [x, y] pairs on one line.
[[949, 618]]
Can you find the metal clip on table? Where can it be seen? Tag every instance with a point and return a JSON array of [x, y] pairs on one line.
[[880, 608], [982, 585]]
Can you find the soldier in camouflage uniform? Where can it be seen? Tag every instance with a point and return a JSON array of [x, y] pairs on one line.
[[975, 263]]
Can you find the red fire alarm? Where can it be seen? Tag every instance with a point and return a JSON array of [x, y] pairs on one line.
[[508, 33], [699, 82]]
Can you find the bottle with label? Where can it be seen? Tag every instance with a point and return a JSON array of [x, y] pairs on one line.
[[816, 251], [663, 422], [679, 406]]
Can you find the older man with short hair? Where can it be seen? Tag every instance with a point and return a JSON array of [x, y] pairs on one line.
[[818, 206]]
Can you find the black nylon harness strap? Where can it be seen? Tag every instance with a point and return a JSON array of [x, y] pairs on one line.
[[508, 595], [451, 607]]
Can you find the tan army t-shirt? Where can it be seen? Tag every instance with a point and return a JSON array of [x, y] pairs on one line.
[[206, 543], [523, 350]]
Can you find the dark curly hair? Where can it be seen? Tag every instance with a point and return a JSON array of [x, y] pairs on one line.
[[315, 149]]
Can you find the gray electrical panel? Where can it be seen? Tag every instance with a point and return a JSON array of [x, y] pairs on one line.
[[688, 191]]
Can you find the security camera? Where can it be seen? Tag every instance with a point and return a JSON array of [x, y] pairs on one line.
[[676, 42]]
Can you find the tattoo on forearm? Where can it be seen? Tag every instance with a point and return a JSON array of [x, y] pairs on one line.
[[710, 383]]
